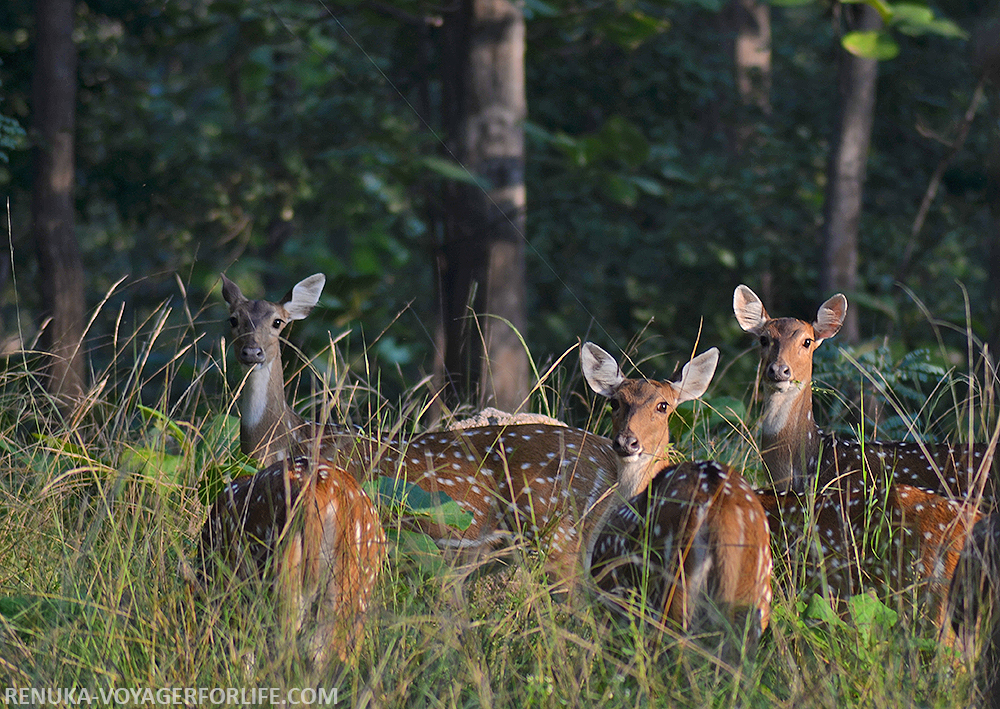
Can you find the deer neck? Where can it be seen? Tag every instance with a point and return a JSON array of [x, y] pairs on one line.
[[635, 472], [269, 428], [790, 439]]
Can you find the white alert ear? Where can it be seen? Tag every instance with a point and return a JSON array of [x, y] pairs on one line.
[[748, 308], [830, 317], [231, 292], [600, 369], [697, 375], [304, 296]]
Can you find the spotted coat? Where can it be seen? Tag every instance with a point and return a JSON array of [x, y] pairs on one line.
[[895, 539], [314, 530], [692, 547]]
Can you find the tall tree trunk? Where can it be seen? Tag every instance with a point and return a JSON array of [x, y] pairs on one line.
[[481, 268], [856, 78], [748, 25], [60, 268]]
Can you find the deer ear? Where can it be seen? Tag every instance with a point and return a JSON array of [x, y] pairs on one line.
[[830, 317], [749, 309], [303, 297], [600, 369], [696, 376], [231, 292]]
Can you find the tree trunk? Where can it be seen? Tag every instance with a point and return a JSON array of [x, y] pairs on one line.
[[481, 267], [856, 78], [60, 268], [748, 24]]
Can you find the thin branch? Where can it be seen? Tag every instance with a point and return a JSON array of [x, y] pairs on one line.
[[935, 181]]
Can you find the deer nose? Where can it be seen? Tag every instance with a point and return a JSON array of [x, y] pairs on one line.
[[251, 354], [779, 372], [626, 444]]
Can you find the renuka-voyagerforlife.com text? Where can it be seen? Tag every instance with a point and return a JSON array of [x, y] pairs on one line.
[[167, 696]]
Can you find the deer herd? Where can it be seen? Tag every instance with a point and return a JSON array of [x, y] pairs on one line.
[[676, 542]]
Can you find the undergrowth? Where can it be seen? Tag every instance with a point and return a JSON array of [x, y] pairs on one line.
[[101, 507]]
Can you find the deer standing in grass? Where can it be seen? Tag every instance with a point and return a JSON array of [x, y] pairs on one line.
[[303, 518], [544, 483], [693, 546], [874, 513], [796, 452]]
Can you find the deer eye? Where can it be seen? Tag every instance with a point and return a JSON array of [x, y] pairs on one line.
[[763, 340], [233, 322], [662, 407], [278, 322], [615, 404], [807, 342]]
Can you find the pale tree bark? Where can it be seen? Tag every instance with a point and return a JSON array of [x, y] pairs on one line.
[[846, 170], [481, 264], [60, 268], [748, 24]]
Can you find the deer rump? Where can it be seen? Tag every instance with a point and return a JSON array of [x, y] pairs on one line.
[[691, 549]]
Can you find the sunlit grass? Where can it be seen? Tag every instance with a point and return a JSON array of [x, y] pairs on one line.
[[99, 513]]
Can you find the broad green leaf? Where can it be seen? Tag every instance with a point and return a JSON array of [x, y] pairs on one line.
[[623, 140], [415, 501], [871, 45], [916, 20], [420, 549], [620, 189], [171, 426], [819, 608], [869, 613]]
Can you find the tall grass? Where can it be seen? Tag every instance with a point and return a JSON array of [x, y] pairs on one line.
[[99, 513]]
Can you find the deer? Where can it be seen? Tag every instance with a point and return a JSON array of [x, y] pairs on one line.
[[841, 493], [850, 537], [692, 547], [974, 598], [534, 481], [311, 526], [797, 454]]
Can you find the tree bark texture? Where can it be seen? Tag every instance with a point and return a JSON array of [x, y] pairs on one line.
[[481, 265], [60, 268], [857, 80], [748, 25]]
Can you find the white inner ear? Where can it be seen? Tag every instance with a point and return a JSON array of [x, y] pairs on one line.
[[830, 317], [697, 375], [600, 369], [305, 295], [748, 308]]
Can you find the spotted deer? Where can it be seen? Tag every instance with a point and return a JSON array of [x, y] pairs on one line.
[[310, 526], [535, 481], [693, 546], [794, 450], [844, 539]]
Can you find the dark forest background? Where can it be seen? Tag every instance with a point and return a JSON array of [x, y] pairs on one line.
[[663, 164]]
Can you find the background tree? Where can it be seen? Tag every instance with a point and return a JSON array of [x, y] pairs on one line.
[[481, 269], [60, 268]]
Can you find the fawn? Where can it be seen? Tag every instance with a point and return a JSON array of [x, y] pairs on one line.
[[693, 546]]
